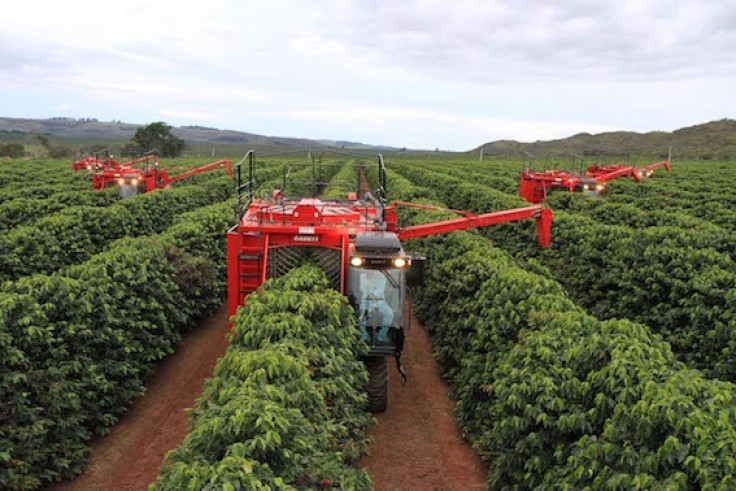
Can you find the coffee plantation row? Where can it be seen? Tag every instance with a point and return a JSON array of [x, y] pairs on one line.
[[285, 407], [549, 395], [94, 297], [590, 364]]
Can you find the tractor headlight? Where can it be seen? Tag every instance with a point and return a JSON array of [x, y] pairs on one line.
[[357, 261], [600, 188], [134, 182], [585, 187], [399, 262], [121, 181]]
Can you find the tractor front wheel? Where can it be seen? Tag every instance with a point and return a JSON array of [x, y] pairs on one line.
[[377, 383]]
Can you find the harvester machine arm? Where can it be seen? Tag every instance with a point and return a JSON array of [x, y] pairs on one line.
[[619, 171], [200, 170], [543, 217], [664, 163]]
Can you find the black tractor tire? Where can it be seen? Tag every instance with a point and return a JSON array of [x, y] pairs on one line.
[[377, 383]]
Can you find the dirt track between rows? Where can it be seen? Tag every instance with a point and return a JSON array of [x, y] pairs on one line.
[[417, 445]]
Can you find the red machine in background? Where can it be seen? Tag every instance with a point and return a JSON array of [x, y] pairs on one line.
[[358, 243], [603, 173], [534, 186], [133, 180], [96, 161]]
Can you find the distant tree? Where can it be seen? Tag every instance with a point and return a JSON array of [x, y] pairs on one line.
[[42, 140], [12, 150], [130, 149], [97, 147], [156, 136], [59, 151]]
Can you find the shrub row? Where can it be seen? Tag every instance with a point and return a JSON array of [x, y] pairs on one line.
[[23, 211], [555, 398], [671, 279], [552, 397], [285, 408], [78, 345], [79, 232]]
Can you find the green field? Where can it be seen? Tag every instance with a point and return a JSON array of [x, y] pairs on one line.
[[604, 361]]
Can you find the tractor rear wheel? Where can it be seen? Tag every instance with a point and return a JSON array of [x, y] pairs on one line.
[[377, 383]]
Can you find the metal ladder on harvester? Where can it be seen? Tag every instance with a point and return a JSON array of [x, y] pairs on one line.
[[250, 249]]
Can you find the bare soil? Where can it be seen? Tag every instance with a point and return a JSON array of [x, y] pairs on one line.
[[130, 456], [417, 444]]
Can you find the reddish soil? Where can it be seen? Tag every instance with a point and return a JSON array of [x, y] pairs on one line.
[[417, 443], [130, 456]]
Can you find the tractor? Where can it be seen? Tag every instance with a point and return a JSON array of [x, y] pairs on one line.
[[357, 241], [534, 186], [96, 161], [132, 181], [603, 173]]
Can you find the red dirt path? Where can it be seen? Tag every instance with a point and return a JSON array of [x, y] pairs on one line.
[[130, 456], [417, 442]]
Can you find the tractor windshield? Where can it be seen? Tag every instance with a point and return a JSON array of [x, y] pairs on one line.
[[378, 299]]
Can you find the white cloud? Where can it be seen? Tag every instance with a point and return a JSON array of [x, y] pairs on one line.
[[426, 73]]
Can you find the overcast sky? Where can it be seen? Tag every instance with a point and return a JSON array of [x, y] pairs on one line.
[[418, 74]]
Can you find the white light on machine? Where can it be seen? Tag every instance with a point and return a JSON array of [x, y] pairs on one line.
[[399, 262], [357, 261]]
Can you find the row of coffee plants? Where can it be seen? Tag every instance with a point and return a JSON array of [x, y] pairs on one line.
[[501, 174], [343, 182], [23, 211], [285, 408], [34, 174], [78, 232], [702, 190], [79, 344], [553, 397], [684, 227], [18, 206], [669, 278]]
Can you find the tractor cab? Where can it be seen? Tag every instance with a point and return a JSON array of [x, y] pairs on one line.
[[376, 288], [590, 187], [130, 184]]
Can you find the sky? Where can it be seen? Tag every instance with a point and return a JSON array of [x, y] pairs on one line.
[[422, 74]]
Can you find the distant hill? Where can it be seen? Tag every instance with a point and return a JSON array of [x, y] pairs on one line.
[[83, 131], [714, 140]]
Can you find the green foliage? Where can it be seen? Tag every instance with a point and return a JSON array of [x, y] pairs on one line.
[[12, 150], [285, 408], [155, 137], [552, 397], [79, 344]]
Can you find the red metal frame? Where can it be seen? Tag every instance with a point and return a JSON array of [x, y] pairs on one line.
[[151, 177], [311, 222], [605, 173], [94, 163], [534, 186]]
